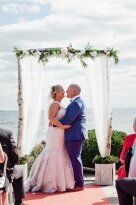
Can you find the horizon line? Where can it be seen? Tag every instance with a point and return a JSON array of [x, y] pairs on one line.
[[87, 108]]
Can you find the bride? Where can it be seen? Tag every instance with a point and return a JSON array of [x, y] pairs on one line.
[[52, 170]]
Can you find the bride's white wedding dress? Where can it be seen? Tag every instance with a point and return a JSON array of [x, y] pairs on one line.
[[52, 170]]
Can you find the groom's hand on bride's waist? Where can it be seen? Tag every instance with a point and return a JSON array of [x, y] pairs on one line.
[[54, 125], [64, 126]]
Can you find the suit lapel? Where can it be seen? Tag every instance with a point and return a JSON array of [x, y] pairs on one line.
[[76, 99], [72, 102]]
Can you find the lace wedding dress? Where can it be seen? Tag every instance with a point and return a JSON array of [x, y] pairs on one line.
[[52, 170]]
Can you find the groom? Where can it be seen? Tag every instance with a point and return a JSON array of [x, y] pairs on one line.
[[76, 134]]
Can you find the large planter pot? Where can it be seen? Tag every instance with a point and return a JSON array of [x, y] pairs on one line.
[[25, 171], [21, 169], [105, 174]]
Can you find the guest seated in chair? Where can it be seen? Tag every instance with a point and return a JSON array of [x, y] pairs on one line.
[[126, 189], [2, 160], [9, 147], [128, 142]]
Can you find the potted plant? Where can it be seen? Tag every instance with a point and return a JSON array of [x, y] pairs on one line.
[[105, 169], [24, 159]]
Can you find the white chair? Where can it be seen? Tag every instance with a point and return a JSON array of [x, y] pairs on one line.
[[10, 189], [3, 178], [1, 197], [10, 195], [134, 200]]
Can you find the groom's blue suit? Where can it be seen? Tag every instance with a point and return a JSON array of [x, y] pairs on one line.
[[75, 136]]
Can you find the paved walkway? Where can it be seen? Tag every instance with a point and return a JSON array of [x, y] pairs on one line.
[[110, 191], [92, 195]]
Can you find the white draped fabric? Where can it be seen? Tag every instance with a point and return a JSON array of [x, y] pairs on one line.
[[32, 73], [98, 75]]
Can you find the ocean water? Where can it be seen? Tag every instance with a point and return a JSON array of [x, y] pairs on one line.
[[122, 120]]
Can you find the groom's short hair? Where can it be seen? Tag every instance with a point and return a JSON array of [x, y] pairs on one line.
[[76, 87]]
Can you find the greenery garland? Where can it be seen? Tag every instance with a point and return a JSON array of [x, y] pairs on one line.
[[68, 53]]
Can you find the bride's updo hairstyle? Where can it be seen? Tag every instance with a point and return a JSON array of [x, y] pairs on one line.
[[54, 90]]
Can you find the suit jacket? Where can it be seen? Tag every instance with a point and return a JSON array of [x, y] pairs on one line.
[[76, 117], [9, 147]]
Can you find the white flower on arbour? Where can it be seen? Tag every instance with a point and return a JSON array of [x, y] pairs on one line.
[[70, 56], [94, 54], [64, 51], [25, 53], [37, 53], [107, 52], [88, 46], [82, 52], [79, 55]]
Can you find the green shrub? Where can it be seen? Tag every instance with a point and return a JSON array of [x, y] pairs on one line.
[[117, 142], [34, 154], [90, 148], [37, 149], [106, 160], [24, 159]]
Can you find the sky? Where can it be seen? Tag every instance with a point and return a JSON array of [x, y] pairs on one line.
[[57, 23]]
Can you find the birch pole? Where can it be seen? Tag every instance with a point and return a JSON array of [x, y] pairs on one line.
[[21, 108], [109, 133]]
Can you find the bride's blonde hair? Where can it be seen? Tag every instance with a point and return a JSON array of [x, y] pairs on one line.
[[54, 90]]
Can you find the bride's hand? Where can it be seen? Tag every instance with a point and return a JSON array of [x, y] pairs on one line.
[[66, 126]]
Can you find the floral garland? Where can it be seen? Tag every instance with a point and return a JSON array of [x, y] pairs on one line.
[[68, 53]]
